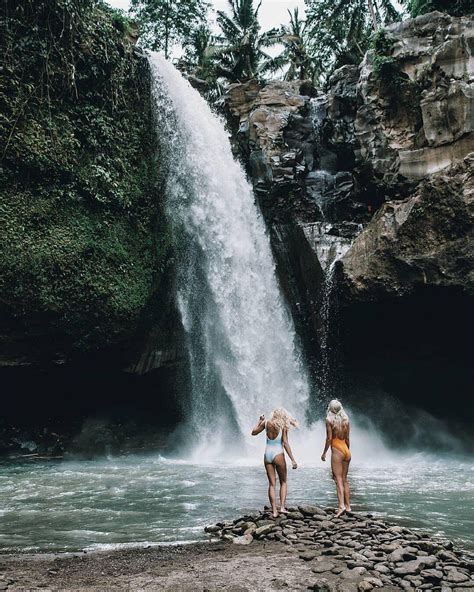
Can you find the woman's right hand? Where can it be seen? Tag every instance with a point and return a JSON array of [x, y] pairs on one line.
[[294, 465]]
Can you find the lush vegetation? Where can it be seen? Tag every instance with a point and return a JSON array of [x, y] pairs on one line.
[[78, 201], [166, 23], [331, 34]]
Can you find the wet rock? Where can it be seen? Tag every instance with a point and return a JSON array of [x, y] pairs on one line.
[[311, 510], [211, 528], [295, 515], [365, 586], [263, 530]]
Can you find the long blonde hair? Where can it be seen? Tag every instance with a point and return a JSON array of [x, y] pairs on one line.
[[282, 419], [336, 416]]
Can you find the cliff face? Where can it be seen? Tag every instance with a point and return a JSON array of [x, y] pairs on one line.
[[83, 240], [84, 246], [372, 180]]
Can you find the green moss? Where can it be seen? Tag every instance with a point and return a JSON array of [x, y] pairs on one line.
[[83, 239]]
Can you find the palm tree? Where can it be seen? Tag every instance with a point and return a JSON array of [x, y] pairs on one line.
[[239, 51], [199, 63], [340, 30], [295, 55]]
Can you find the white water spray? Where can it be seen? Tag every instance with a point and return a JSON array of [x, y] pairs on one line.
[[244, 360]]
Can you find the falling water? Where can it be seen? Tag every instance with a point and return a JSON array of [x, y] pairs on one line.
[[241, 340]]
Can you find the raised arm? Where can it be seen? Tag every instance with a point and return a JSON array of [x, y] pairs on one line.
[[260, 426], [328, 440], [287, 447]]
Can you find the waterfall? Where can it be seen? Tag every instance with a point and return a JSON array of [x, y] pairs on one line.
[[241, 341]]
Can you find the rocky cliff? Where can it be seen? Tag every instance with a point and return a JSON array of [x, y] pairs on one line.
[[84, 244], [371, 181]]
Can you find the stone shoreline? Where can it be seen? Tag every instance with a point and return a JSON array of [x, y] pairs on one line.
[[308, 549], [357, 552]]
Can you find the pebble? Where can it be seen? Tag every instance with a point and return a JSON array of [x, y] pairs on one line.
[[358, 553]]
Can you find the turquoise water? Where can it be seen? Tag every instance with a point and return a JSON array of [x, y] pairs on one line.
[[72, 505]]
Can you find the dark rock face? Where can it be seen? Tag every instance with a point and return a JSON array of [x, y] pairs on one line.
[[372, 181], [84, 248]]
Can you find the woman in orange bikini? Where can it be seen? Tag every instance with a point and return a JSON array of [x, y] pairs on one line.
[[337, 437]]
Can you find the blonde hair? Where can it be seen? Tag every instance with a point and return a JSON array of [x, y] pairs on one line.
[[282, 419], [335, 415]]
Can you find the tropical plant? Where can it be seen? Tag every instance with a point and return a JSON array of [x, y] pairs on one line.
[[295, 57], [453, 7], [239, 52], [167, 23], [199, 63], [340, 31]]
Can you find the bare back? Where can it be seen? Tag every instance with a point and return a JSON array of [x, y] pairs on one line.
[[341, 431], [272, 430]]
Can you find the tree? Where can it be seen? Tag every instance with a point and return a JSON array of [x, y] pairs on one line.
[[239, 52], [199, 64], [295, 55], [166, 23], [453, 7], [340, 31]]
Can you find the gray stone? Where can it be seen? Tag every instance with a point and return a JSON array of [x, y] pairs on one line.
[[308, 555], [349, 574], [323, 585], [263, 530], [365, 586], [211, 528], [245, 539], [322, 566], [311, 510], [381, 568], [402, 554], [415, 566], [455, 576], [433, 575]]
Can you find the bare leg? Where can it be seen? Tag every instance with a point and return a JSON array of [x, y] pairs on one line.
[[338, 471], [280, 465], [347, 493], [271, 487]]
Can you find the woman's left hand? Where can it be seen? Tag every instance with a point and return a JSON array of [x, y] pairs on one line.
[[323, 457]]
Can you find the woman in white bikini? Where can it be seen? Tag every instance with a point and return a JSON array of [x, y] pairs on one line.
[[277, 442]]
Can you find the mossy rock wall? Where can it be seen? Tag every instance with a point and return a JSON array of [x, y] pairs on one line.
[[83, 242]]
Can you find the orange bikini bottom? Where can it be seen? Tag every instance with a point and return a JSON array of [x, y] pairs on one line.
[[341, 446]]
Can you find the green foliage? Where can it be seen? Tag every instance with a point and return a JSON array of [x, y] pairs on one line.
[[340, 31], [199, 63], [295, 57], [240, 50], [452, 7], [166, 23], [78, 202]]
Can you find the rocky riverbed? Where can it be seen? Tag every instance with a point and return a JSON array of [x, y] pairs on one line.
[[307, 549], [357, 553]]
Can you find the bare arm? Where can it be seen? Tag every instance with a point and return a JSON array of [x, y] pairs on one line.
[[347, 436], [287, 447], [328, 440], [260, 426]]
